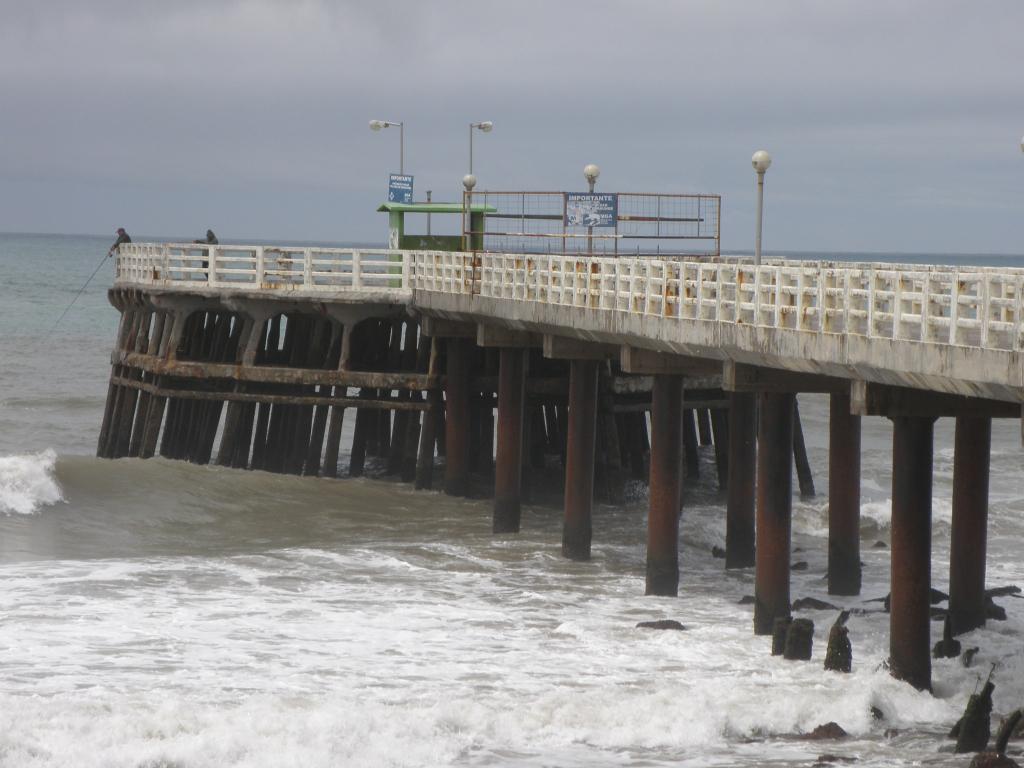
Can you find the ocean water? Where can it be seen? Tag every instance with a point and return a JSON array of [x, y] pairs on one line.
[[158, 614]]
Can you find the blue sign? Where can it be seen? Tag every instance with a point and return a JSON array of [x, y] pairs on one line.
[[399, 189], [591, 209]]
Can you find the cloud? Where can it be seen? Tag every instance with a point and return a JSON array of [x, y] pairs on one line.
[[254, 114]]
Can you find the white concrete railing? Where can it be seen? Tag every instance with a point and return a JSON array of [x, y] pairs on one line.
[[974, 307], [262, 267], [978, 307]]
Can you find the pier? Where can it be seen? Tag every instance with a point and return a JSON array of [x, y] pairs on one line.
[[611, 366]]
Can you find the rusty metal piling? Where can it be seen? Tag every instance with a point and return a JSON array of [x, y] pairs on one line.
[[774, 509]]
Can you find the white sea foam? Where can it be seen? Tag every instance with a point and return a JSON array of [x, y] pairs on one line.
[[28, 482]]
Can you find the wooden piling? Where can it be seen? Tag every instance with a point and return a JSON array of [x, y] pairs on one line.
[[703, 425], [360, 437], [691, 456], [803, 466], [720, 433], [457, 418], [337, 419], [429, 431]]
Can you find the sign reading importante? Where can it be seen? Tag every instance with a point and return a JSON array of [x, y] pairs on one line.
[[591, 209], [399, 189]]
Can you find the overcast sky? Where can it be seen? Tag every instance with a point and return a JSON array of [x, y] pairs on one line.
[[894, 126]]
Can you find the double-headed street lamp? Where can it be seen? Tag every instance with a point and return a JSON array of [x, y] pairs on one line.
[[376, 125], [761, 161], [486, 126]]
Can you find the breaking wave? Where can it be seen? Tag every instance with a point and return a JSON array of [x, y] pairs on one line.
[[28, 482]]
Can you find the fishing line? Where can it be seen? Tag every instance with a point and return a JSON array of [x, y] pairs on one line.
[[80, 290]]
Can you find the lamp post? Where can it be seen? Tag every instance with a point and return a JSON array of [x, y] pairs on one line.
[[486, 126], [376, 125], [468, 181], [761, 162], [590, 172]]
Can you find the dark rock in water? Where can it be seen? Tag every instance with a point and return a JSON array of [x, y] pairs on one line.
[[780, 628], [827, 759], [1002, 591], [829, 730], [661, 624], [747, 600], [800, 566], [968, 658], [798, 549], [973, 729], [937, 614], [718, 552], [877, 714], [994, 612], [799, 640], [992, 760], [934, 597], [879, 545], [839, 656], [813, 604], [947, 647]]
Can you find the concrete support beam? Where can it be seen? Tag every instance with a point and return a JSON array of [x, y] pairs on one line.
[[910, 604], [439, 327], [648, 362], [564, 348], [579, 459], [971, 459], [844, 573], [497, 336], [869, 399], [739, 516], [457, 405], [741, 377], [666, 486], [508, 468], [774, 509]]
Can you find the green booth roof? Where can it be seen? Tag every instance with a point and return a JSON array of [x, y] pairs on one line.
[[435, 208]]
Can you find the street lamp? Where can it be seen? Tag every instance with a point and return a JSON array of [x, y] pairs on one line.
[[486, 126], [376, 125], [591, 171], [761, 162], [468, 181]]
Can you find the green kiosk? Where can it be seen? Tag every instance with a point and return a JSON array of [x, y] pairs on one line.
[[399, 240]]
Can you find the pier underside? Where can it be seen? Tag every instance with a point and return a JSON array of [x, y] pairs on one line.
[[263, 380]]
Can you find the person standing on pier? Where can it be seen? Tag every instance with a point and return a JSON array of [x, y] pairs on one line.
[[122, 237], [211, 239]]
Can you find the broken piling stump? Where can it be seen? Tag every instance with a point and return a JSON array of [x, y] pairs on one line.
[[973, 729], [947, 647], [839, 655], [780, 628], [799, 640]]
